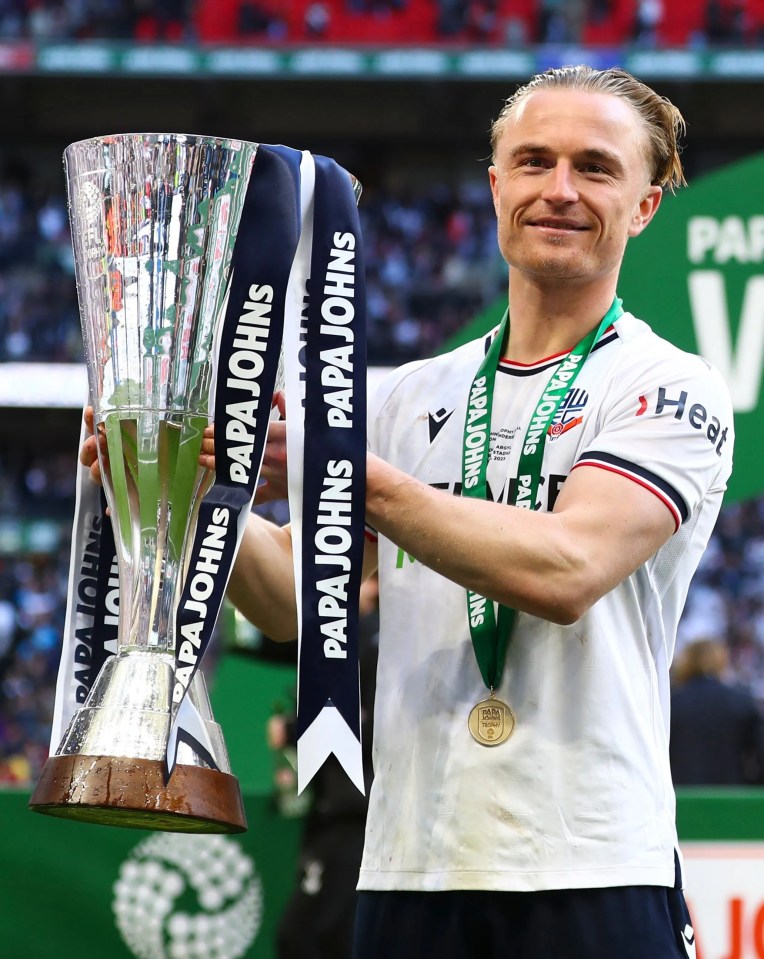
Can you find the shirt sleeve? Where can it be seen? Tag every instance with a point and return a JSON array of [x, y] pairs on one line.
[[669, 427]]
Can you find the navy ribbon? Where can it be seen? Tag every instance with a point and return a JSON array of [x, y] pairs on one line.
[[247, 366], [335, 456], [89, 657]]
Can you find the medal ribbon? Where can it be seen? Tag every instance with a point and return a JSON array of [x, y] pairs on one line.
[[490, 633]]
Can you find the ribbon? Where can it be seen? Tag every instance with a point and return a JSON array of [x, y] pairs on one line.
[[333, 488], [248, 349], [296, 222], [92, 612]]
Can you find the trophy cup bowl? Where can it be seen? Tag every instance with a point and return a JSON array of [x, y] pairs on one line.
[[154, 220]]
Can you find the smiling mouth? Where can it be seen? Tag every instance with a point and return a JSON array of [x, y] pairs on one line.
[[561, 225]]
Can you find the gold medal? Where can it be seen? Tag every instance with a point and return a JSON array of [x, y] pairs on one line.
[[491, 722]]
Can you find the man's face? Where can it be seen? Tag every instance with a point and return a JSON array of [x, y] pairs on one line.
[[571, 184]]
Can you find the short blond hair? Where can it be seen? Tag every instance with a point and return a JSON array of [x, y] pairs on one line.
[[665, 124]]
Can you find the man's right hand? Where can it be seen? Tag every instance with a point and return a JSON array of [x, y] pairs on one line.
[[273, 474], [89, 449]]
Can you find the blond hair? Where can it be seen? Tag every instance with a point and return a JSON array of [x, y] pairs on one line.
[[703, 657], [663, 120]]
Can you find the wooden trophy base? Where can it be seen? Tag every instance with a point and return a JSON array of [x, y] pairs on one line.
[[118, 791]]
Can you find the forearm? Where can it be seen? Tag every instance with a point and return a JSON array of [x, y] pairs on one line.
[[520, 558], [261, 586]]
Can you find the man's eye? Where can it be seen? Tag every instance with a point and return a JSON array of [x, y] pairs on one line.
[[594, 168]]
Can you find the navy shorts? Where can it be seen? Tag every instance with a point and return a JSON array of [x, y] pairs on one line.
[[627, 922]]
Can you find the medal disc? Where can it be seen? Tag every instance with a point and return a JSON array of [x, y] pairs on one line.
[[491, 722]]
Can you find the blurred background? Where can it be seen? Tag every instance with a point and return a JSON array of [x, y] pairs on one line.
[[402, 93]]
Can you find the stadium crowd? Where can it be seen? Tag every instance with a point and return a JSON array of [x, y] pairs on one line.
[[726, 602], [432, 264], [497, 22]]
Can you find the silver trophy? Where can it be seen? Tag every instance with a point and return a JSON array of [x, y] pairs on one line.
[[154, 220]]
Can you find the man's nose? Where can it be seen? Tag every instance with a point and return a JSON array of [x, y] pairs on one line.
[[559, 184]]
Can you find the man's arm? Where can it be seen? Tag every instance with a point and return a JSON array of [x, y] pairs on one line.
[[553, 565], [262, 583], [261, 586]]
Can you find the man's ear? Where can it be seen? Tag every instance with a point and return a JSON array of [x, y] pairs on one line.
[[646, 209], [493, 179]]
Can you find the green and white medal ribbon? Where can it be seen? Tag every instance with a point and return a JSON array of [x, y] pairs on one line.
[[491, 722]]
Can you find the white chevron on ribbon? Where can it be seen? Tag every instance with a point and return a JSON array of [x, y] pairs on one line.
[[327, 734]]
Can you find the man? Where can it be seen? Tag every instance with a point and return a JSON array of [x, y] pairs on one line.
[[717, 728], [522, 803]]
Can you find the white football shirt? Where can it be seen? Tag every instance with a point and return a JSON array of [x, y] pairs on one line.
[[581, 794]]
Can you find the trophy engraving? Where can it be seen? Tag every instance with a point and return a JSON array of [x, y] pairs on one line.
[[154, 222]]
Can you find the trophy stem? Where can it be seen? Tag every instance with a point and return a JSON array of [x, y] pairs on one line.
[[154, 483]]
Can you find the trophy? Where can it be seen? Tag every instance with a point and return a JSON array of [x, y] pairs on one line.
[[154, 220]]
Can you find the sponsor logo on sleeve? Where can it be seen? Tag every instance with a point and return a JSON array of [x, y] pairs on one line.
[[678, 405]]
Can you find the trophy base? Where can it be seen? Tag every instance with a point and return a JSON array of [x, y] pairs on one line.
[[118, 791]]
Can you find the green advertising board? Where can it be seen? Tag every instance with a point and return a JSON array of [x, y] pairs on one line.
[[366, 61], [696, 275], [72, 889]]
